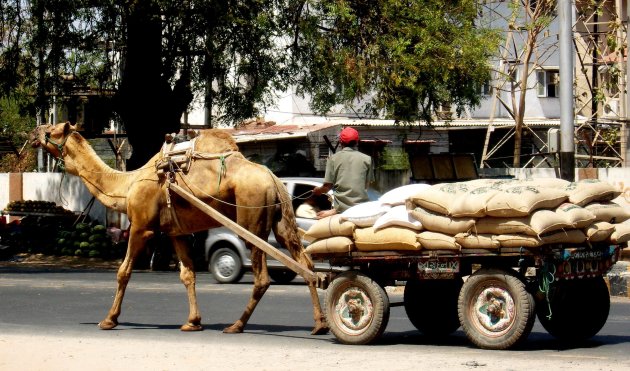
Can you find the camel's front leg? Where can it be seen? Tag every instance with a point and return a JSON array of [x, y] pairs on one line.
[[261, 284], [137, 241], [187, 276]]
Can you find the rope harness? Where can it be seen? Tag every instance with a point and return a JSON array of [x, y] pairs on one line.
[[547, 277], [60, 165], [178, 158]]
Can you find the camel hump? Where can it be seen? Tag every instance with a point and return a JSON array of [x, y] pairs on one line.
[[215, 140]]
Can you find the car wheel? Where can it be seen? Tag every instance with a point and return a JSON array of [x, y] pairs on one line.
[[282, 276], [226, 265]]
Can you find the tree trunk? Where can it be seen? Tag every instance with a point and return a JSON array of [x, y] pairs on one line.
[[147, 105], [519, 111]]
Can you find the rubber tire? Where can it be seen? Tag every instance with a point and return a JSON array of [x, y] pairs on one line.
[[374, 323], [431, 305], [579, 309], [225, 265], [512, 292], [282, 276]]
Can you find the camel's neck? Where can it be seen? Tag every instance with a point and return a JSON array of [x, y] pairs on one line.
[[109, 186]]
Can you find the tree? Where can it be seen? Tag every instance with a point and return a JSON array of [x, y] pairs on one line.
[[403, 59]]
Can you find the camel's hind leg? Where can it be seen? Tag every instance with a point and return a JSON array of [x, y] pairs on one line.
[[261, 284], [188, 278], [288, 238], [137, 242], [321, 325]]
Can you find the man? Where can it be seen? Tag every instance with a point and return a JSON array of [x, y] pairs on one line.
[[308, 209], [348, 174]]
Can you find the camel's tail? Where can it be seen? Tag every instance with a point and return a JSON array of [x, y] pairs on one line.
[[285, 228]]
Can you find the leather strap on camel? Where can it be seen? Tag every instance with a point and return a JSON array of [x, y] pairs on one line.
[[177, 157]]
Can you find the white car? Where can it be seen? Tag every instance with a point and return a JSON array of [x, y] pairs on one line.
[[227, 256]]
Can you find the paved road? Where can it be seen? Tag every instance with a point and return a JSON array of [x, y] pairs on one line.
[[48, 322]]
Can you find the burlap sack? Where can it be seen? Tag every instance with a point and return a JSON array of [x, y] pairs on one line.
[[337, 244], [397, 216], [477, 241], [365, 214], [494, 183], [472, 203], [576, 216], [591, 190], [608, 212], [567, 236], [545, 182], [621, 233], [518, 240], [392, 238], [439, 197], [436, 222], [437, 241], [328, 227], [599, 231], [492, 225], [399, 195], [523, 200], [545, 221]]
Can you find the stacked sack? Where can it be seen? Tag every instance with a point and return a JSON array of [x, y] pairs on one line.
[[482, 214], [385, 224]]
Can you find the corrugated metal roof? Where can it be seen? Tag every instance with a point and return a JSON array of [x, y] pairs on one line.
[[276, 132], [542, 122], [265, 132]]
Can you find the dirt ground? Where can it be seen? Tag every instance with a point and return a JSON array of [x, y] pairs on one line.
[[59, 262]]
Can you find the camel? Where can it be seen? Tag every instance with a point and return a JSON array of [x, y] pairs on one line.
[[219, 175]]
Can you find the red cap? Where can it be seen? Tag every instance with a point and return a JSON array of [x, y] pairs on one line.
[[348, 135]]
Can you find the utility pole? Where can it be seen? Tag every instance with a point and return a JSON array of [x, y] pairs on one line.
[[567, 126]]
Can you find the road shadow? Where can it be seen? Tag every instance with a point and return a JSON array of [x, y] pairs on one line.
[[536, 341]]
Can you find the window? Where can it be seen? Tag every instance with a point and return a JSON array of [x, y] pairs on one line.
[[324, 151], [547, 83], [486, 89]]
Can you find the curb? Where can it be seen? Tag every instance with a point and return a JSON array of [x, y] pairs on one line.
[[618, 279]]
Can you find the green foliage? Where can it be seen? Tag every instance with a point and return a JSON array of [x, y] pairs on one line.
[[413, 56], [394, 160], [404, 58], [15, 124]]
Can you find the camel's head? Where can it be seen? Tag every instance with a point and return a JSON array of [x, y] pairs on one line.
[[52, 137]]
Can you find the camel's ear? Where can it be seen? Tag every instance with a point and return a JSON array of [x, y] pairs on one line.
[[67, 128]]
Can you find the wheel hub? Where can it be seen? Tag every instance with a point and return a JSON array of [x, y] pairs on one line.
[[354, 309], [494, 309], [226, 265]]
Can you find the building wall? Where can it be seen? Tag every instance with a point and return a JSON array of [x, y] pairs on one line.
[[64, 190]]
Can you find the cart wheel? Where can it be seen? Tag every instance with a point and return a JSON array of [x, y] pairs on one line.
[[431, 305], [357, 308], [495, 309], [579, 309]]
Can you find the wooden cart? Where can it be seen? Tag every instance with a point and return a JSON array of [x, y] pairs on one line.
[[494, 295]]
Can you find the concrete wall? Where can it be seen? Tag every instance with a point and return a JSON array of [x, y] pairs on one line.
[[4, 190], [65, 190]]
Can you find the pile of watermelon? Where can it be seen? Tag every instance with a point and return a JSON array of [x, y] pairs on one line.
[[87, 240]]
